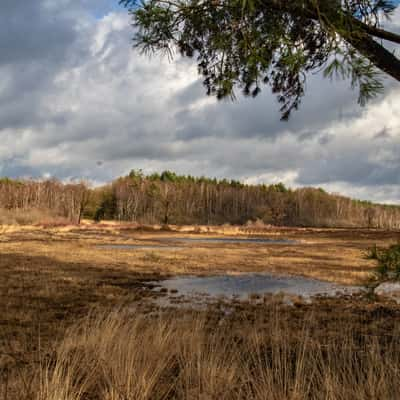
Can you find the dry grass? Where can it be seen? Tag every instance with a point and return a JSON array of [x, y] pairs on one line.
[[120, 356], [332, 255], [51, 278]]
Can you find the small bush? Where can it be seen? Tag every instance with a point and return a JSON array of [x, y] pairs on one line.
[[257, 224], [388, 260], [31, 216]]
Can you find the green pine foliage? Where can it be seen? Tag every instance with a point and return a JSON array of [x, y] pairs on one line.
[[243, 45], [388, 261]]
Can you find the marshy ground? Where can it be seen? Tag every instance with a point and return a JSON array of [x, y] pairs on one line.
[[51, 278]]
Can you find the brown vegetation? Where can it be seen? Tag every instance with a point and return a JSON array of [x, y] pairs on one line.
[[333, 255], [51, 278], [307, 352], [258, 354], [31, 216]]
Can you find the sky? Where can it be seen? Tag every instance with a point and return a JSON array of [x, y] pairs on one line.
[[77, 102]]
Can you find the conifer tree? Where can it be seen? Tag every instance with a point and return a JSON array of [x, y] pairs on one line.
[[243, 44]]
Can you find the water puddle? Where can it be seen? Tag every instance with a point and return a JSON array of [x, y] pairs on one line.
[[137, 247], [245, 286], [182, 240], [228, 240]]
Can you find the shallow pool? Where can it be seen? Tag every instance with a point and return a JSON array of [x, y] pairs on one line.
[[137, 247], [165, 243], [227, 240], [243, 286]]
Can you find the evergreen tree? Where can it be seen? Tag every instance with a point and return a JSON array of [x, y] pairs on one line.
[[246, 43]]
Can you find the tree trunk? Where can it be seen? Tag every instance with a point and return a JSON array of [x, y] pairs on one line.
[[377, 54]]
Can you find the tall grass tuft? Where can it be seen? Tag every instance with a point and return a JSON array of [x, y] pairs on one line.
[[122, 357]]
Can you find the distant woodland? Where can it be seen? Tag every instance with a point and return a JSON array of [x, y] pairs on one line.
[[168, 198]]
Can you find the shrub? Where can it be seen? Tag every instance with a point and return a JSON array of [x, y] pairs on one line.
[[388, 260]]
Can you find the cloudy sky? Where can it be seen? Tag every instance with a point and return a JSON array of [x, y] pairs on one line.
[[77, 102]]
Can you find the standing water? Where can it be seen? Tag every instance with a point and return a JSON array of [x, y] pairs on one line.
[[228, 240], [243, 286], [164, 243]]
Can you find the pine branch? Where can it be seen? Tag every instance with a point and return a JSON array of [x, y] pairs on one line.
[[377, 32]]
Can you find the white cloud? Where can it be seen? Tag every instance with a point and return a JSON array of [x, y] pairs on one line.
[[86, 97]]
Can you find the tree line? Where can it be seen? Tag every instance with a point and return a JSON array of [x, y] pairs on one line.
[[63, 200], [168, 198]]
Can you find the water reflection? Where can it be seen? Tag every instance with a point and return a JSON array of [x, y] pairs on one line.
[[137, 247], [243, 286], [165, 242], [228, 240]]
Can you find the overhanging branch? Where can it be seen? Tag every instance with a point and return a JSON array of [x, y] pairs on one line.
[[377, 54], [377, 32]]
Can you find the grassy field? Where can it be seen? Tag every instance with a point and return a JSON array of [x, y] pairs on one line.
[[52, 278]]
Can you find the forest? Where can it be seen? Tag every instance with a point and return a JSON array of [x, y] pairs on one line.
[[169, 198]]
